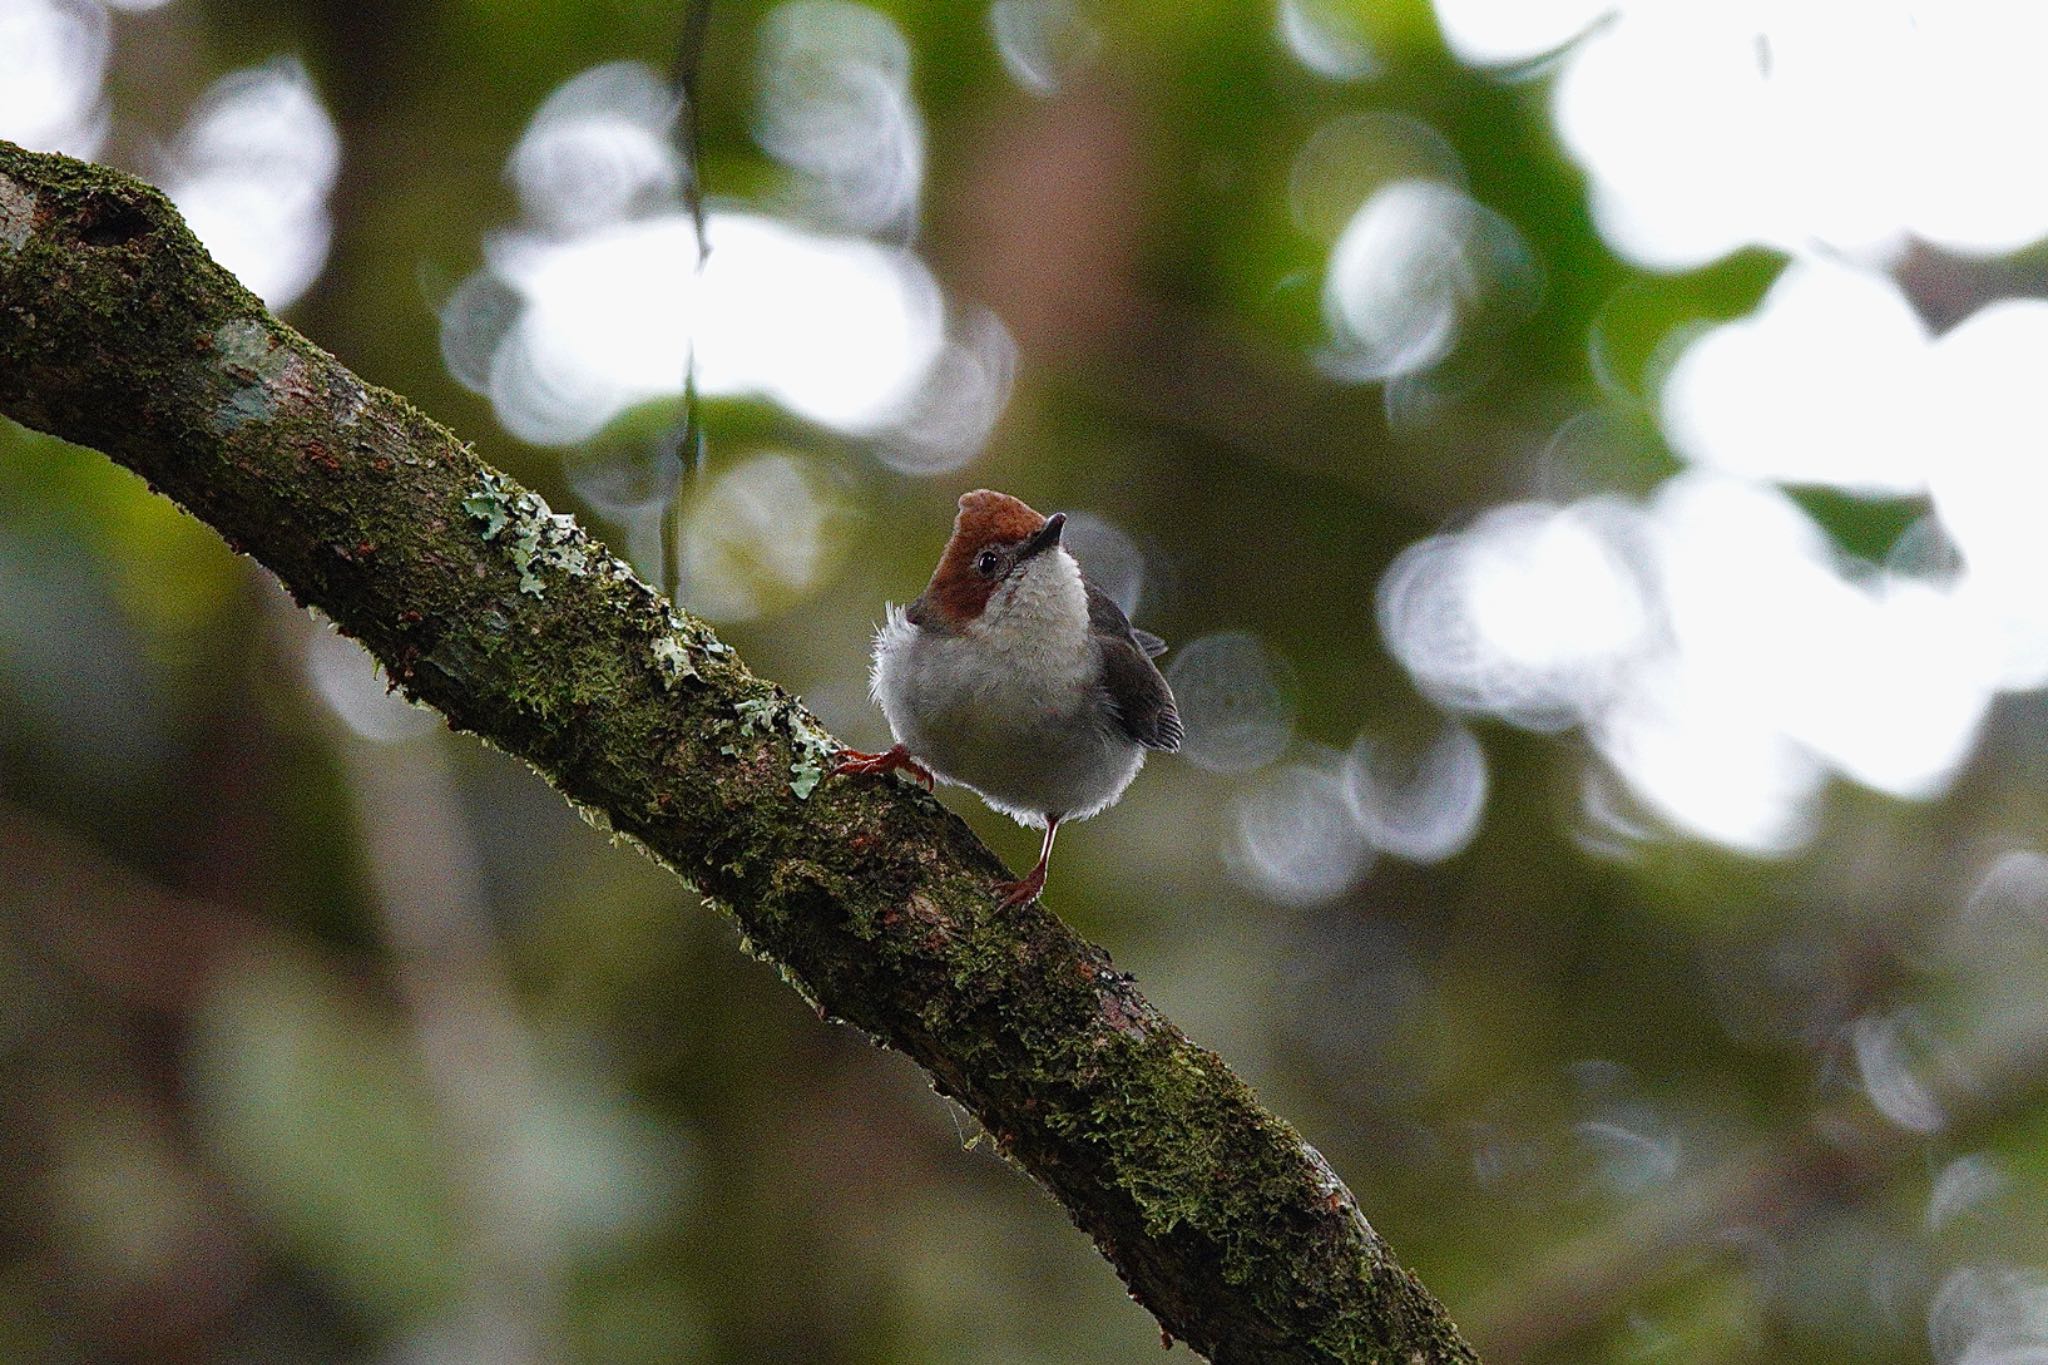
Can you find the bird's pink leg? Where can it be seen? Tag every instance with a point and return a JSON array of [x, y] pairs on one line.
[[1025, 891], [858, 764]]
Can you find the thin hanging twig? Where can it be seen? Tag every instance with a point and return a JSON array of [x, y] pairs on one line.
[[686, 127]]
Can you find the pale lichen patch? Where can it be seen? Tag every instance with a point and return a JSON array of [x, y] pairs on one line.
[[17, 214], [757, 714], [490, 506], [811, 748], [700, 637], [672, 659], [814, 750], [677, 653], [537, 536]]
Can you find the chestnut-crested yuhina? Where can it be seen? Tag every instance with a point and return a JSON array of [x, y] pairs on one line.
[[1014, 676]]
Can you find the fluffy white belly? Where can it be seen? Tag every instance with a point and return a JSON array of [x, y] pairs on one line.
[[1023, 732]]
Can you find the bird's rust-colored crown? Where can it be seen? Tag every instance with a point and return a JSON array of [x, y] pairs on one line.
[[991, 518], [986, 518]]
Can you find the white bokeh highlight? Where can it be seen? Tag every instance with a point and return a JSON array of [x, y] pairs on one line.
[[1886, 1049], [252, 171], [835, 105], [1706, 127], [1964, 1187], [838, 330], [1503, 32], [596, 151], [761, 537], [1527, 614], [1820, 385], [1722, 658], [1235, 700], [53, 64], [953, 412], [595, 302], [1293, 838], [1989, 1315], [1328, 37], [1349, 158], [1418, 798], [352, 683], [1044, 44], [1417, 264]]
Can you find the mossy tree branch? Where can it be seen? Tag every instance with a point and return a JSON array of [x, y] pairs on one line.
[[117, 331]]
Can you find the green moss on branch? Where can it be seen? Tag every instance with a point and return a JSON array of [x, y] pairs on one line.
[[118, 332]]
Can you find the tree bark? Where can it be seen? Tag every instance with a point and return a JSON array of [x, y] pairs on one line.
[[117, 331]]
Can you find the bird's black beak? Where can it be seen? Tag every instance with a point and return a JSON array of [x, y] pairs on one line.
[[1047, 537]]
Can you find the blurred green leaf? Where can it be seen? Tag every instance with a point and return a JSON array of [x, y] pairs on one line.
[[312, 1096]]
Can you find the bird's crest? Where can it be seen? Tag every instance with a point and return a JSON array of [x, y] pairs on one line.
[[991, 518]]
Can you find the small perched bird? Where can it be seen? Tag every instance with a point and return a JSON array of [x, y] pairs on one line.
[[1016, 677]]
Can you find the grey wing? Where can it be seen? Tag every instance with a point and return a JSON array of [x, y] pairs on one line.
[[1105, 617], [1140, 702]]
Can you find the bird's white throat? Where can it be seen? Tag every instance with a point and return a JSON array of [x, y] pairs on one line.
[[1037, 619]]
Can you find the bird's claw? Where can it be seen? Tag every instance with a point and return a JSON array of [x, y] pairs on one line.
[[854, 763], [1021, 892]]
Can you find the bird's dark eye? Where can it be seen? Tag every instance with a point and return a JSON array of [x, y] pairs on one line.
[[987, 563]]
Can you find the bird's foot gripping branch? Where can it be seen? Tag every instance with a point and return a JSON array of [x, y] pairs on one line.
[[117, 331]]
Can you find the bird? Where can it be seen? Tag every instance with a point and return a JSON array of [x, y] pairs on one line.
[[1014, 676]]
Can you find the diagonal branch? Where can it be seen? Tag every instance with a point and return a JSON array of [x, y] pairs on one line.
[[117, 331]]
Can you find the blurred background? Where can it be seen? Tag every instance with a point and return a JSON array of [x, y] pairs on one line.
[[1590, 460]]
